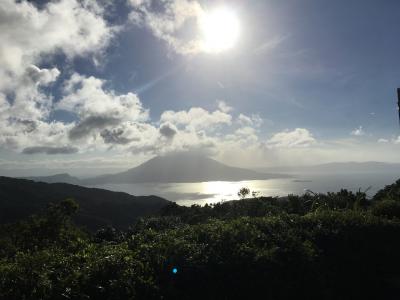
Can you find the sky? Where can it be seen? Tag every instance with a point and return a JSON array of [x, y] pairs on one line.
[[90, 87]]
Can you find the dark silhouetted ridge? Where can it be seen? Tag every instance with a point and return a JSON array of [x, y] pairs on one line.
[[20, 198]]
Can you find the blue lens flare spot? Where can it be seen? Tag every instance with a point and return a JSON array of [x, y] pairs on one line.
[[174, 270]]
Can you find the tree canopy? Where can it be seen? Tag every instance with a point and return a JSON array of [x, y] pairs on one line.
[[315, 246]]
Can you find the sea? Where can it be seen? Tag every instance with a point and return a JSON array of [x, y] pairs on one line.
[[201, 193]]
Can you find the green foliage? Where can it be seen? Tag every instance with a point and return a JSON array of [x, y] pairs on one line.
[[315, 246], [386, 202], [390, 192], [267, 206], [41, 231], [243, 192], [387, 208]]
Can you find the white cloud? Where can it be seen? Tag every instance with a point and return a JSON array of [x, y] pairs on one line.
[[30, 36], [396, 140], [41, 76], [358, 131], [105, 119], [253, 120], [393, 140], [29, 101], [197, 118], [167, 22], [27, 133], [243, 137], [87, 97], [26, 32], [298, 138], [223, 106], [23, 121]]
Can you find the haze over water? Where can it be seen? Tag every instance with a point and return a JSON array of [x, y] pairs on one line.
[[215, 191]]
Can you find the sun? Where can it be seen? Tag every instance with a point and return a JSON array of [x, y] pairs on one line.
[[220, 30]]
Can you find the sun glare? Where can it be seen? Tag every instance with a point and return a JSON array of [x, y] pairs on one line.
[[220, 30]]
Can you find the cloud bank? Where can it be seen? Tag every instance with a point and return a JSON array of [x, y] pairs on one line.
[[103, 120], [30, 36], [298, 138]]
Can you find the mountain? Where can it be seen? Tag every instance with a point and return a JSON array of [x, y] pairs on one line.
[[20, 198], [340, 167], [183, 167], [58, 178]]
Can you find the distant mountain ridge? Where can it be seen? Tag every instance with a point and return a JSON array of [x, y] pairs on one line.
[[20, 198], [57, 178], [185, 168], [369, 166], [179, 168]]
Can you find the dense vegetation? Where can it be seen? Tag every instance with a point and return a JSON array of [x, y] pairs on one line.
[[316, 246]]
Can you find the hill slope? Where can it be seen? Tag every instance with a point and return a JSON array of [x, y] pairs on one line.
[[20, 198], [180, 168], [57, 178]]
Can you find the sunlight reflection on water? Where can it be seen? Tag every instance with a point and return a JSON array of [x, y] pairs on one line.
[[216, 191]]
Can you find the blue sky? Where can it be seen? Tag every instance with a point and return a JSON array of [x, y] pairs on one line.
[[306, 82]]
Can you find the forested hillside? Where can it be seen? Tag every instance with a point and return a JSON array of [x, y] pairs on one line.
[[316, 246], [20, 198]]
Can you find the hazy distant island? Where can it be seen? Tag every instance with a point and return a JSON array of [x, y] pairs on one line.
[[337, 167], [301, 180], [57, 178], [173, 168]]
